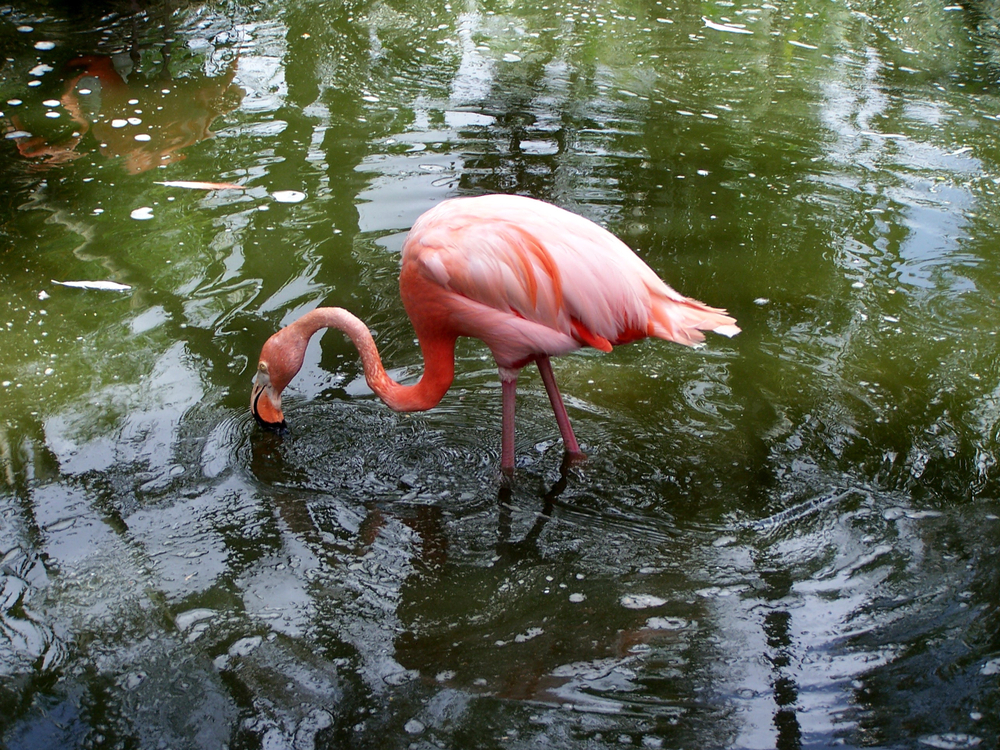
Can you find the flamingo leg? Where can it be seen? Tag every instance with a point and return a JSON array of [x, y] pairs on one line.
[[508, 383], [562, 418]]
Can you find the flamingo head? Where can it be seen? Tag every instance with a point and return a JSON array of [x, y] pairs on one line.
[[280, 359]]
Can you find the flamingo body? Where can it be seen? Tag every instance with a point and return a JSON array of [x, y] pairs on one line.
[[529, 279]]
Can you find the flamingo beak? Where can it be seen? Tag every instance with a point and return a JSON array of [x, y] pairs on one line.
[[265, 402]]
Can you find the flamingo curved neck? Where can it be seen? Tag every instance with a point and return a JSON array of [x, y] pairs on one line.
[[438, 351]]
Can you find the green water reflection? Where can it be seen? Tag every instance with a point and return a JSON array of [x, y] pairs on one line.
[[788, 539]]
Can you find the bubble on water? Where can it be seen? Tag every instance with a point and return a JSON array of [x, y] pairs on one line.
[[288, 196], [119, 123], [666, 623], [991, 667], [511, 57], [142, 214], [51, 103], [40, 70], [577, 598], [15, 134], [143, 137], [45, 45], [52, 115], [531, 633], [133, 680], [25, 29], [921, 514], [83, 91], [14, 102], [539, 148], [134, 121], [641, 601], [731, 28]]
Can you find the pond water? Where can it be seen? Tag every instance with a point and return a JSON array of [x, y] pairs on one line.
[[787, 539]]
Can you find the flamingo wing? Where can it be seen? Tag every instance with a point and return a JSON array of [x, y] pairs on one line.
[[530, 278]]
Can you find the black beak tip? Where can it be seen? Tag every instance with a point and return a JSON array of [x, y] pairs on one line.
[[278, 428]]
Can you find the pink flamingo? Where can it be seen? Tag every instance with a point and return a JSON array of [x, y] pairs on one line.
[[529, 279]]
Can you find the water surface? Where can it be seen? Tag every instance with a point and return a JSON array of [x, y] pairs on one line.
[[787, 539]]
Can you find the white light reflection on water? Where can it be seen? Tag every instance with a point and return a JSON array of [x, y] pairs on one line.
[[925, 178]]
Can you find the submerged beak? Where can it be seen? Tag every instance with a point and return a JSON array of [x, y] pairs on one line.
[[265, 402]]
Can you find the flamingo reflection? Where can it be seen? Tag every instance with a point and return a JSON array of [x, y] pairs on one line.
[[142, 122]]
